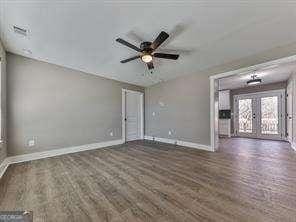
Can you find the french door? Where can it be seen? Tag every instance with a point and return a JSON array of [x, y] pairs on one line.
[[260, 115]]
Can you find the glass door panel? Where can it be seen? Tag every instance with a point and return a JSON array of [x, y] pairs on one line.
[[244, 114], [245, 124], [270, 121], [269, 115]]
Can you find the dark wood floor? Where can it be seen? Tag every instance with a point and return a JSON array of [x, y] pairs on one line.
[[247, 180]]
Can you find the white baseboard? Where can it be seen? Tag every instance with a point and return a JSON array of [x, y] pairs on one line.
[[55, 152], [58, 152], [293, 145], [180, 143]]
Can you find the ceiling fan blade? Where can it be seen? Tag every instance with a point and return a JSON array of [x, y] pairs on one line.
[[166, 56], [128, 44], [150, 65], [159, 40], [130, 59]]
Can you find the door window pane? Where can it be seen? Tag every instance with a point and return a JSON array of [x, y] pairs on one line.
[[269, 115], [245, 115]]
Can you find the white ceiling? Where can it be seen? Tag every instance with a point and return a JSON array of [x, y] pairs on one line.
[[81, 34], [268, 75]]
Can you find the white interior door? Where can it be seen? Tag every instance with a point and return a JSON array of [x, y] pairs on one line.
[[260, 115], [133, 115], [289, 111]]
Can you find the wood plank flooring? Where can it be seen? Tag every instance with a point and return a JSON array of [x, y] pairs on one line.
[[247, 180]]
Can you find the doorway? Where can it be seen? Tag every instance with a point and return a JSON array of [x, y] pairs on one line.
[[274, 71], [260, 115], [132, 115]]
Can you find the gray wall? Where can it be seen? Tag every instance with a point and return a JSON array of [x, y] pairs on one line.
[[253, 89], [3, 103], [257, 88], [181, 105], [186, 100], [59, 107]]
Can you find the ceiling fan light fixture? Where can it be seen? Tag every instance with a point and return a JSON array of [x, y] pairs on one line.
[[146, 58], [254, 81], [147, 50]]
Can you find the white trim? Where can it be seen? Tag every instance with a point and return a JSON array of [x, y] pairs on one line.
[[290, 94], [212, 112], [123, 108], [293, 146], [180, 143], [123, 92], [3, 167], [142, 116], [55, 152], [62, 151], [132, 91], [236, 72]]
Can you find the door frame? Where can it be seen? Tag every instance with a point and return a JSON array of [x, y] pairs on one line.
[[289, 98], [123, 108], [282, 113]]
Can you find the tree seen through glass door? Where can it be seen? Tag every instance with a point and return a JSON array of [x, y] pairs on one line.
[[245, 115]]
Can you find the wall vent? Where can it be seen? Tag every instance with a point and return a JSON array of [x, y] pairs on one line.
[[20, 31]]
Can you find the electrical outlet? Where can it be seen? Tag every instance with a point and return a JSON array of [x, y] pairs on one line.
[[31, 143]]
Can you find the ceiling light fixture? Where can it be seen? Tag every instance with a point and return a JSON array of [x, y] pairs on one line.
[[146, 58], [254, 80]]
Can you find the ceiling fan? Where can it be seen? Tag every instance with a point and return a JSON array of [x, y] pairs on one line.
[[147, 50]]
